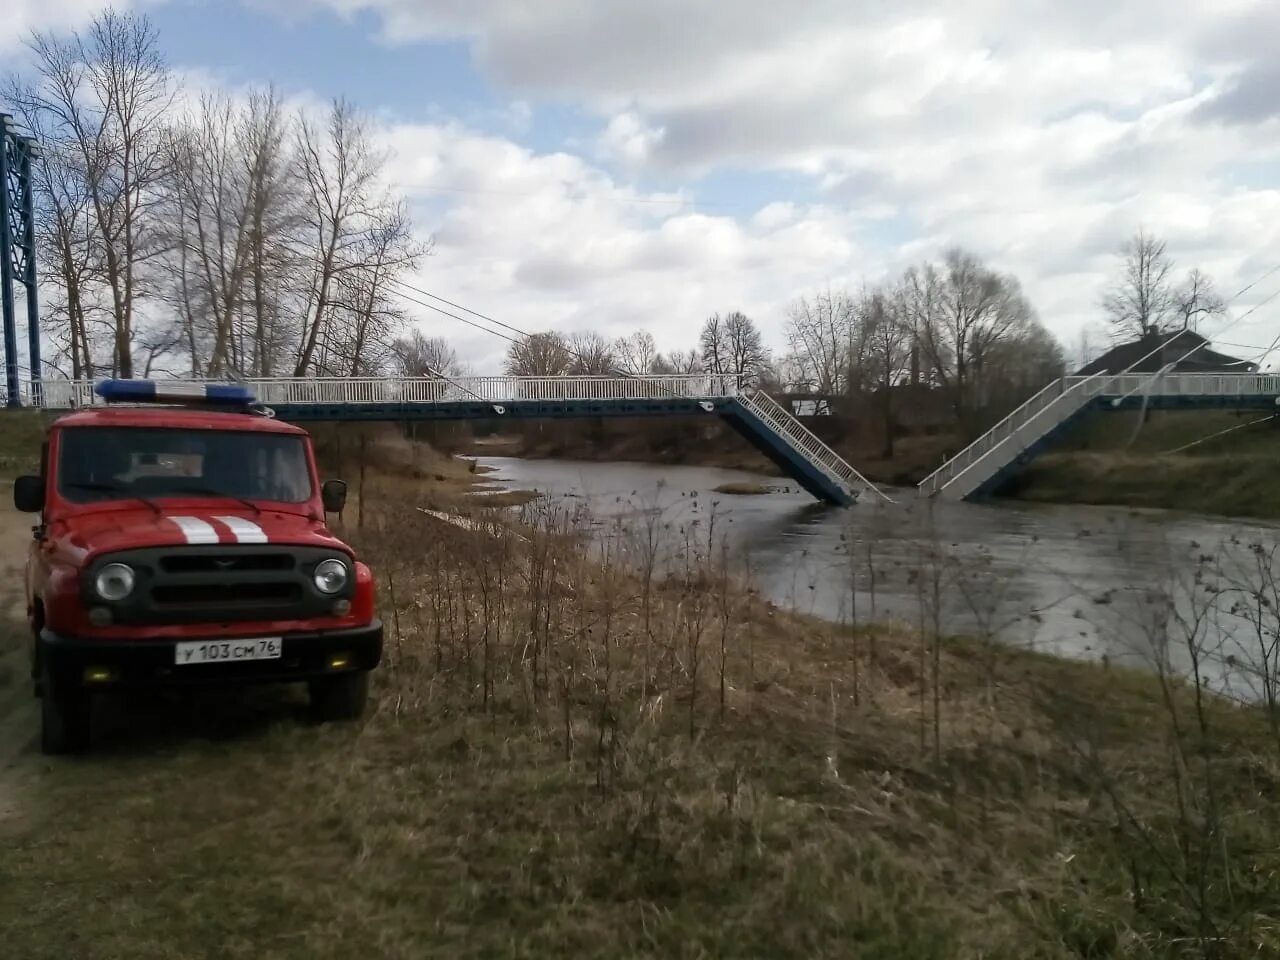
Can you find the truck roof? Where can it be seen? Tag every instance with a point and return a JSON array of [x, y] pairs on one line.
[[176, 417]]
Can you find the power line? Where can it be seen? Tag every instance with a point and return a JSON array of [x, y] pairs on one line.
[[1256, 307], [1246, 289], [458, 306], [523, 335], [454, 316]]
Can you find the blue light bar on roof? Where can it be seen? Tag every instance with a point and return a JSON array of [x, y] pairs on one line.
[[175, 391]]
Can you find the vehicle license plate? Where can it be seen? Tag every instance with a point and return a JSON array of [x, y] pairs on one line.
[[216, 651]]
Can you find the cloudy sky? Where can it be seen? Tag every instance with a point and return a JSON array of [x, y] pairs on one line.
[[614, 164]]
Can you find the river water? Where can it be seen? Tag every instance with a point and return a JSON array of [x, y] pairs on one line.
[[1141, 587]]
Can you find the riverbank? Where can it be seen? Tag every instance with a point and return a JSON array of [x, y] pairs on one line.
[[566, 757], [1115, 459]]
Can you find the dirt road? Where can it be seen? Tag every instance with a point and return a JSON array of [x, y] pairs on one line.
[[17, 706]]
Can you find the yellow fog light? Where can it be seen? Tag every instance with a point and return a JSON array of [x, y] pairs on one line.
[[99, 675], [339, 661], [341, 608], [100, 616]]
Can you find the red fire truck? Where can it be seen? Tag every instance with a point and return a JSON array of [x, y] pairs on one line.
[[182, 539]]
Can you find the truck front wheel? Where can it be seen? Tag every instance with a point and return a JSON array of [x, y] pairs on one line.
[[339, 698], [65, 724]]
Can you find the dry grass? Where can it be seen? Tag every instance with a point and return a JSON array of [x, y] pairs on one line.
[[1113, 459], [571, 756], [21, 433]]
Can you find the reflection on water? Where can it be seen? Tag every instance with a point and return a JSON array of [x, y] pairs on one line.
[[1074, 581]]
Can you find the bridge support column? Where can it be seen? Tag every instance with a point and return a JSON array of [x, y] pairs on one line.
[[18, 254]]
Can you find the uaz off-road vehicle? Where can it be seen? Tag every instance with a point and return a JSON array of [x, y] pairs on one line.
[[182, 540]]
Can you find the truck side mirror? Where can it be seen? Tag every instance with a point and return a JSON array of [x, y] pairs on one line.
[[334, 495], [28, 494]]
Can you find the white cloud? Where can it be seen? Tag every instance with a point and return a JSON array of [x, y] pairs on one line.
[[627, 140], [21, 17], [548, 241]]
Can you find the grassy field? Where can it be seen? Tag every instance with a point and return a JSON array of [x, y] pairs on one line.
[[1114, 459], [573, 753]]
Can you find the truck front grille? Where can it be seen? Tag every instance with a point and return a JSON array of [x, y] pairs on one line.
[[217, 563], [225, 584], [226, 595]]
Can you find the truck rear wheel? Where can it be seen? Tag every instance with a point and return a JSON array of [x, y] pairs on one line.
[[65, 720], [339, 698]]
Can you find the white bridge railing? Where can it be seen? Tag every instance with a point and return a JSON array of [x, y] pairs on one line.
[[68, 394], [804, 441], [1002, 444]]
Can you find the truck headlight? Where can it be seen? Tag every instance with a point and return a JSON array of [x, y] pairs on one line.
[[114, 581], [331, 576]]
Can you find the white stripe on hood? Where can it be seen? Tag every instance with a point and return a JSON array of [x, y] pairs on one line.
[[196, 530], [245, 531]]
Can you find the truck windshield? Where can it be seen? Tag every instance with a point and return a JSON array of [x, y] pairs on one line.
[[113, 463]]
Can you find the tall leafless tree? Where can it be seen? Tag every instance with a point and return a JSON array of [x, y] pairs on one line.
[[731, 345], [274, 214], [1197, 301], [101, 97], [369, 311], [678, 363], [887, 340], [539, 355], [339, 169], [67, 240], [417, 355], [592, 354], [973, 310], [1142, 297], [819, 331], [636, 353], [210, 201]]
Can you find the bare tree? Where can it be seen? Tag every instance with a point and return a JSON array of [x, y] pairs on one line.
[[274, 214], [592, 354], [732, 346], [963, 315], [920, 298], [678, 363], [273, 245], [69, 241], [1021, 364], [1142, 298], [339, 170], [369, 313], [417, 355], [539, 355], [714, 345], [240, 253], [686, 363], [1197, 301], [101, 98], [209, 201], [819, 331], [887, 339], [636, 354]]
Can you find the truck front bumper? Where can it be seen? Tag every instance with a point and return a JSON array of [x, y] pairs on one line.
[[71, 662]]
